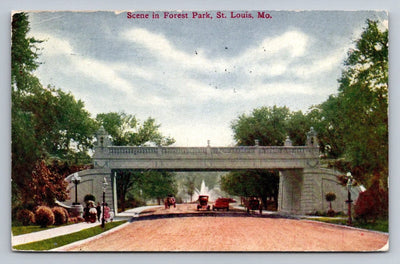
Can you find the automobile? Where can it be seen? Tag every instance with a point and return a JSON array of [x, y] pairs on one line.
[[252, 204], [202, 203], [222, 203]]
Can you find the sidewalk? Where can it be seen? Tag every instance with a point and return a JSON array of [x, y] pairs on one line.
[[49, 233], [63, 230]]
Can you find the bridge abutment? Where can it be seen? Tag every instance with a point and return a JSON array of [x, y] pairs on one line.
[[290, 191]]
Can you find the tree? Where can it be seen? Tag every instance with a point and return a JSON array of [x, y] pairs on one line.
[[189, 184], [126, 181], [266, 124], [259, 183], [46, 123], [271, 126], [126, 130], [298, 124], [24, 55], [328, 121], [158, 184], [46, 186], [363, 94], [330, 197], [25, 150]]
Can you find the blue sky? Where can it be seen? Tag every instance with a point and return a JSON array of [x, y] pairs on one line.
[[195, 76]]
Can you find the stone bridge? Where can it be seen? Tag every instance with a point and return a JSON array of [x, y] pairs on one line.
[[301, 187]]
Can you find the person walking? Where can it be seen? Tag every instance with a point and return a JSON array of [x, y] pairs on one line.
[[98, 208]]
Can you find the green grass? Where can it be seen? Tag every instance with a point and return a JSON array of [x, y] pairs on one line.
[[379, 225], [18, 229], [59, 241]]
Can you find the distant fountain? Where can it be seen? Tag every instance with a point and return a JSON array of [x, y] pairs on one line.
[[213, 194]]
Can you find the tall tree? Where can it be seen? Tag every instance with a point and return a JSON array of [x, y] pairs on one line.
[[24, 55], [298, 124], [328, 121], [158, 184], [126, 130], [46, 123], [260, 183], [266, 124], [271, 126], [363, 92], [25, 149]]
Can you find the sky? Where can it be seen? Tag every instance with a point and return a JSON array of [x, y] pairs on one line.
[[196, 75]]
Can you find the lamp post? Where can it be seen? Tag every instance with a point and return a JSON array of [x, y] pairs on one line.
[[103, 220], [76, 180], [349, 178]]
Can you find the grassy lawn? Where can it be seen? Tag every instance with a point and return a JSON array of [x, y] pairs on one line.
[[18, 229], [59, 241], [379, 225]]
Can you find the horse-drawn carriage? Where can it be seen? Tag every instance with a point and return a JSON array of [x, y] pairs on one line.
[[253, 204], [170, 201], [202, 203]]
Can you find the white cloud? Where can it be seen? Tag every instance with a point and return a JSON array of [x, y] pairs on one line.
[[268, 59], [54, 46], [78, 64], [160, 47], [320, 65]]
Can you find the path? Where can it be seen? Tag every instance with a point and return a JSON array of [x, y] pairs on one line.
[[63, 230]]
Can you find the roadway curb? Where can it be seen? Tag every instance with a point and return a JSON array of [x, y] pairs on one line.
[[77, 243]]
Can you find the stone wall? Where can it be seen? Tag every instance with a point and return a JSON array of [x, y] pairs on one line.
[[92, 183], [303, 191]]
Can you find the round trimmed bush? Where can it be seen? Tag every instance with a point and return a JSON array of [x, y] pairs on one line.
[[89, 197], [60, 215], [26, 217], [44, 216]]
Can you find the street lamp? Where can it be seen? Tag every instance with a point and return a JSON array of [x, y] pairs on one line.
[[104, 201], [76, 180], [349, 178]]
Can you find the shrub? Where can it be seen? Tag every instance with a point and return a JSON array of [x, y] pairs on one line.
[[44, 216], [89, 197], [372, 204], [330, 196], [26, 217], [60, 215], [66, 213]]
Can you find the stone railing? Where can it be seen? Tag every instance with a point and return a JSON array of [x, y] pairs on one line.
[[257, 150]]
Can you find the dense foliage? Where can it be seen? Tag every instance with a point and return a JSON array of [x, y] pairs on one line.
[[352, 125], [49, 126], [259, 183], [125, 130]]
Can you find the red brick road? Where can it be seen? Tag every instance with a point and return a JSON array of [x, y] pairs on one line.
[[234, 234]]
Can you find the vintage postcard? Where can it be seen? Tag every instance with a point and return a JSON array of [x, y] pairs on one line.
[[199, 131]]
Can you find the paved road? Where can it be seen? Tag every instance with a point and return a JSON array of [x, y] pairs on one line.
[[220, 231], [210, 233]]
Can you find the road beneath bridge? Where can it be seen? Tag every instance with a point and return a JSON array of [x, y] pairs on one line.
[[231, 234]]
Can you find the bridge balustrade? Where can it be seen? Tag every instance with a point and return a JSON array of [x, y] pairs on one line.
[[256, 150]]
